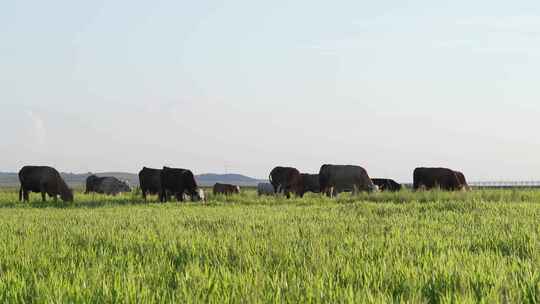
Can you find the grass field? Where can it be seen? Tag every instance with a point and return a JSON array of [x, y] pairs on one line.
[[430, 247]]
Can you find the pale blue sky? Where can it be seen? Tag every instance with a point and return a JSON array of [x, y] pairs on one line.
[[247, 85]]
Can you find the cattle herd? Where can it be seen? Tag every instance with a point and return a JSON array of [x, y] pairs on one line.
[[179, 183]]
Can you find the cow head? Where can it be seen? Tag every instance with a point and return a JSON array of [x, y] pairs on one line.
[[237, 189], [67, 195], [198, 196], [373, 188], [124, 187]]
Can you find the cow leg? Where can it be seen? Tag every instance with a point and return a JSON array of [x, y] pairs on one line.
[[42, 189], [20, 194], [161, 196], [323, 191], [25, 195], [143, 192], [166, 196]]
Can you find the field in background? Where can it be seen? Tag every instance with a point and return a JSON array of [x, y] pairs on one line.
[[420, 247]]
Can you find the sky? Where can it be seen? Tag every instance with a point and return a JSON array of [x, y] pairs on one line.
[[243, 86]]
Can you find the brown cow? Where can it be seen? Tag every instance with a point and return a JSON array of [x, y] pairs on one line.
[[335, 179], [310, 183], [226, 189], [430, 178], [462, 180], [286, 180]]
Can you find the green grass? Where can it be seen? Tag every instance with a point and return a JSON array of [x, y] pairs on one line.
[[428, 247]]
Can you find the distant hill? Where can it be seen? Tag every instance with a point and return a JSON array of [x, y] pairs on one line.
[[9, 179], [209, 179]]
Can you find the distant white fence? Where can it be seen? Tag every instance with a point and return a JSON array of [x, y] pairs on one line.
[[498, 184], [506, 184]]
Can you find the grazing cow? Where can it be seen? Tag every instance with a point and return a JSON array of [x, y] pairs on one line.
[[462, 181], [286, 180], [150, 182], [226, 189], [177, 182], [91, 183], [44, 180], [310, 183], [265, 189], [430, 178], [385, 184], [335, 179], [107, 185]]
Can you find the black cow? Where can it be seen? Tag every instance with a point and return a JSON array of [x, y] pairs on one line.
[[177, 182], [108, 185], [429, 178], [335, 179], [386, 184], [286, 180], [44, 180], [150, 181], [310, 183]]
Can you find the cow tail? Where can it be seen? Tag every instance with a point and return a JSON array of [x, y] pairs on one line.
[[270, 179]]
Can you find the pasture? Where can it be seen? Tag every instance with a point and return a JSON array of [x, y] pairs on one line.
[[427, 247]]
